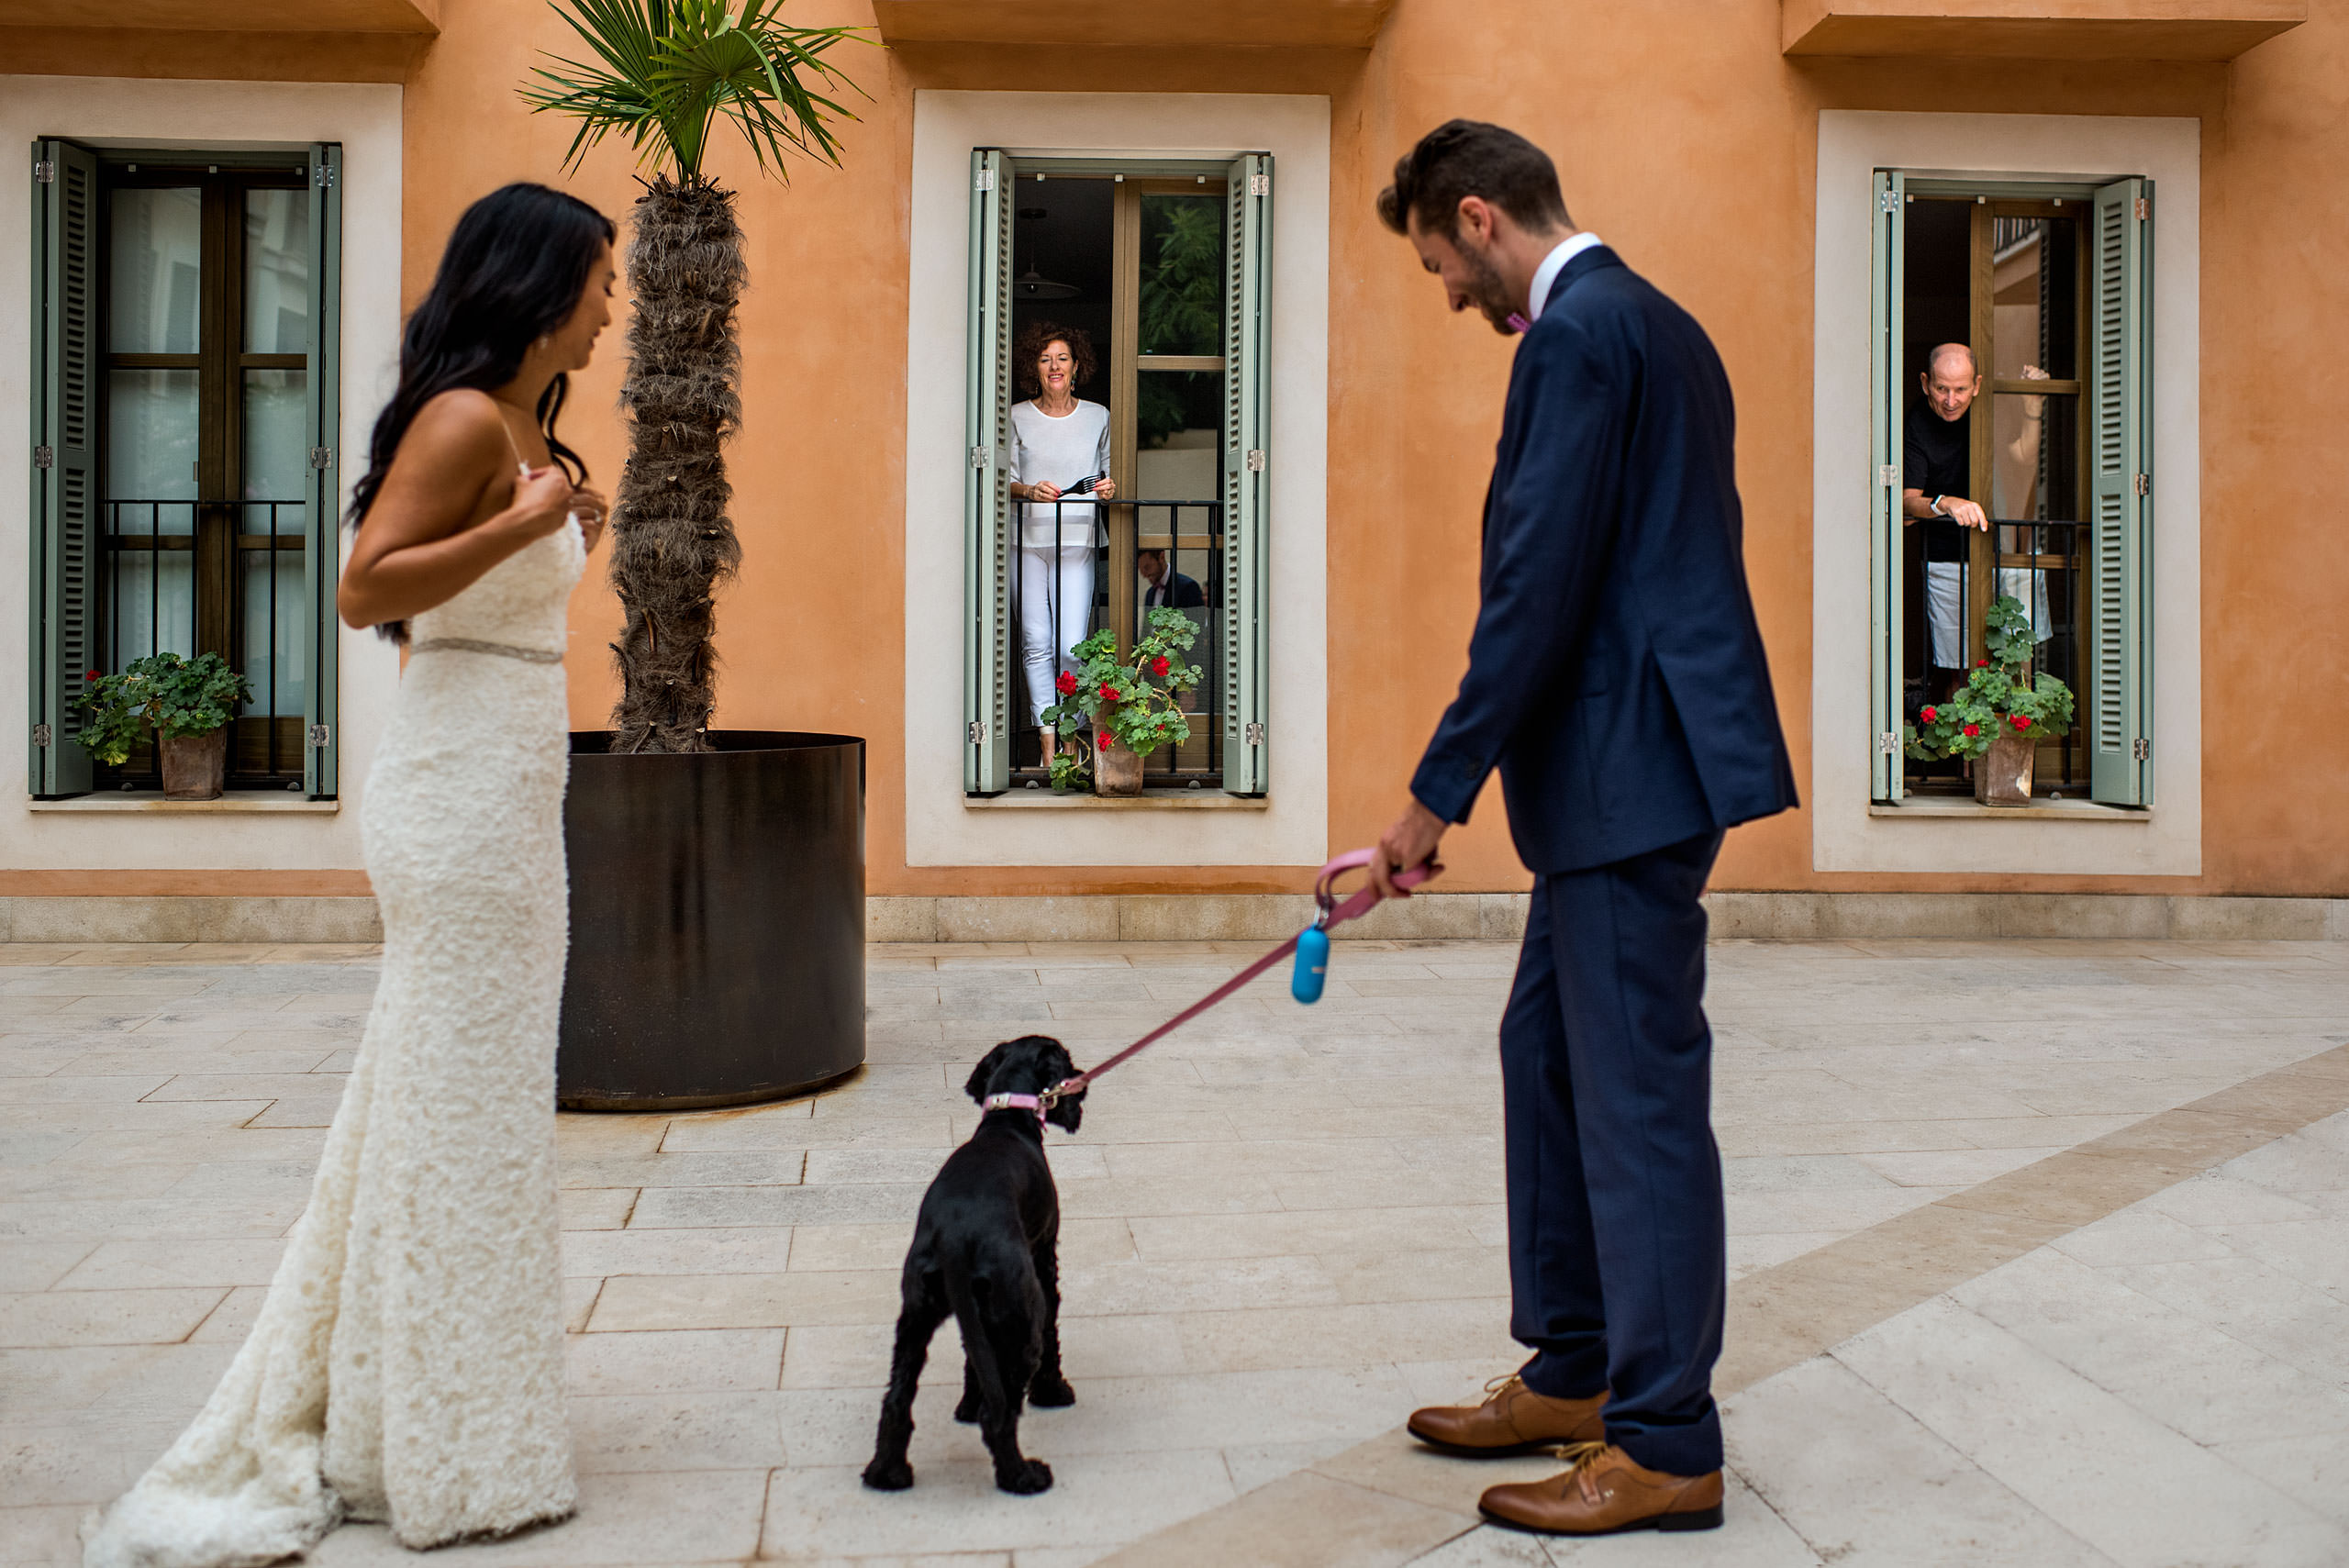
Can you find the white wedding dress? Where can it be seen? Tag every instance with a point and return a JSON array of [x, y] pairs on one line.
[[407, 1364]]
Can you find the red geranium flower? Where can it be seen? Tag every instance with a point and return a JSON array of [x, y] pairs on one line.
[[1109, 692], [1067, 683], [1930, 715], [1981, 663], [93, 675], [1972, 730], [1158, 665], [2020, 721]]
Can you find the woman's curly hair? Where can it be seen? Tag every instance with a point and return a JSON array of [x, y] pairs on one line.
[[1030, 347]]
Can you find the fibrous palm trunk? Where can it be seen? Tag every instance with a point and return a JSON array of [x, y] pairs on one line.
[[672, 540]]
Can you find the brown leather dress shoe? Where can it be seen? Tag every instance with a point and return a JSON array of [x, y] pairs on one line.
[[1603, 1490], [1512, 1420]]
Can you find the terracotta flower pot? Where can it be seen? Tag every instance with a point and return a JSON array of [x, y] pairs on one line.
[[2003, 777], [194, 765], [1115, 770]]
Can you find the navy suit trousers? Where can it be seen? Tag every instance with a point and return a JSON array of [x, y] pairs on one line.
[[1617, 1246]]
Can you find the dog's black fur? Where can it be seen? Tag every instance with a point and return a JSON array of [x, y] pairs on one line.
[[986, 1249]]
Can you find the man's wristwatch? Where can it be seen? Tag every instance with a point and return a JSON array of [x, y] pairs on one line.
[[1940, 510]]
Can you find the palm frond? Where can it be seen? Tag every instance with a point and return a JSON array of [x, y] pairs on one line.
[[666, 69]]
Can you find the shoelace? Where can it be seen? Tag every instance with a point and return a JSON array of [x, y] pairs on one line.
[[1582, 1460], [1497, 1387]]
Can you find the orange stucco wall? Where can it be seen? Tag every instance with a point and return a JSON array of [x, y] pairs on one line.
[[1686, 138]]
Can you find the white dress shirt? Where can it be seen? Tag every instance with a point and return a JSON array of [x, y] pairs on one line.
[[1552, 265]]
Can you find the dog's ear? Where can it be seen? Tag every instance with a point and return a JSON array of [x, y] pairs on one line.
[[983, 1075], [1064, 1113]]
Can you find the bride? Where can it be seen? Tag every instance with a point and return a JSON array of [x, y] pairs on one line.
[[408, 1365]]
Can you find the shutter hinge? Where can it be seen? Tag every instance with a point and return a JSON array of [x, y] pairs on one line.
[[45, 173], [321, 735], [2141, 750], [984, 181], [324, 176], [1887, 744], [1887, 476], [1887, 200], [2145, 208], [978, 732], [1255, 460], [2141, 483], [978, 457], [1260, 184], [1255, 733], [44, 457], [322, 457], [42, 735]]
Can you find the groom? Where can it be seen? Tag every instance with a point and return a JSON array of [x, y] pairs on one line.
[[1616, 678]]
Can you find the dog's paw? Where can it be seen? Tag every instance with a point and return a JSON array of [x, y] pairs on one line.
[[1032, 1476], [894, 1476], [967, 1412], [1051, 1394]]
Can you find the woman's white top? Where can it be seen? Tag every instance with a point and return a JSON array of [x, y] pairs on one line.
[[1045, 450]]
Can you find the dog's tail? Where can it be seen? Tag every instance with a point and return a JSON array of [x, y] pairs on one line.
[[964, 1290]]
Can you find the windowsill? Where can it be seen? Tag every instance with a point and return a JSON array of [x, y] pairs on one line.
[[1148, 800], [228, 805], [2038, 810]]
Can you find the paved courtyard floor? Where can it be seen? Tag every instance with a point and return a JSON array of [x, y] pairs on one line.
[[2038, 1254]]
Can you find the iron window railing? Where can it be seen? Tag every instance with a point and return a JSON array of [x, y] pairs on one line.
[[188, 576], [2043, 564], [1189, 536]]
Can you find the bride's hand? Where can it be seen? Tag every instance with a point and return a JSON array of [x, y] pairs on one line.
[[588, 503], [541, 502]]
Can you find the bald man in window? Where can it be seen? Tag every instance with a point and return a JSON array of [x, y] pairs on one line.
[[1937, 470]]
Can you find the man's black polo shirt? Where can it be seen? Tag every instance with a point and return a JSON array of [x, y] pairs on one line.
[[1937, 457]]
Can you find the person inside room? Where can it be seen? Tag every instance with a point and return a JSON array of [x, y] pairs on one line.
[[1937, 464], [1166, 586]]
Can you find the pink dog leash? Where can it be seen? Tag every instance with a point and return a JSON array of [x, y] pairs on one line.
[[1333, 913]]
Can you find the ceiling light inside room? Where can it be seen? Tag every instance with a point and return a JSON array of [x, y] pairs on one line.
[[1031, 284]]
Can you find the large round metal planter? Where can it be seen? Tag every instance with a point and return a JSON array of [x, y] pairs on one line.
[[716, 921]]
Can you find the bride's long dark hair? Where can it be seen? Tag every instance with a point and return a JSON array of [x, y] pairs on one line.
[[514, 270]]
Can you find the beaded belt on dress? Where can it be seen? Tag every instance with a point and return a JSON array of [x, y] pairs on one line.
[[472, 645]]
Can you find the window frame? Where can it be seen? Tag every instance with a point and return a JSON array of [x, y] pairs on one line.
[[1244, 488], [66, 553], [2120, 595]]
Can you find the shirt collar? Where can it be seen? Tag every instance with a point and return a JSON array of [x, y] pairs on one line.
[[1552, 264]]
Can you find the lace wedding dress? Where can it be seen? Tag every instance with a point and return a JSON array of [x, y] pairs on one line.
[[407, 1364]]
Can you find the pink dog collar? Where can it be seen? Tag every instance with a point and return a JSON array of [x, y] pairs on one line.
[[1016, 1103]]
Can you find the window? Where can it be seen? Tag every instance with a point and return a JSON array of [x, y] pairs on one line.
[[2049, 286], [185, 325], [1165, 267]]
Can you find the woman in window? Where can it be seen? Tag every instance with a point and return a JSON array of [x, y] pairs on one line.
[[1060, 448], [407, 1364]]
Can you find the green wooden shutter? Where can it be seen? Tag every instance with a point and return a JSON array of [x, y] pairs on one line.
[[63, 620], [986, 549], [1247, 478], [2120, 696], [1887, 580], [321, 561]]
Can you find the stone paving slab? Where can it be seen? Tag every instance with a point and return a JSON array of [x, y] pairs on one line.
[[1286, 1228]]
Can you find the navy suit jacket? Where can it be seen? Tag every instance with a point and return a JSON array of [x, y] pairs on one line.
[[1615, 676]]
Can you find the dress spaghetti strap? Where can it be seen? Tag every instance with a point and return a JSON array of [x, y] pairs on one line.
[[521, 463]]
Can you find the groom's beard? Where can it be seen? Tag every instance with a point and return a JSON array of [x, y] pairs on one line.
[[1490, 295]]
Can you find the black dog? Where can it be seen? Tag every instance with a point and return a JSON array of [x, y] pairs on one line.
[[986, 1248]]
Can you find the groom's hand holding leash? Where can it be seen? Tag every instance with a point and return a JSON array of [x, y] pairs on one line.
[[1410, 842]]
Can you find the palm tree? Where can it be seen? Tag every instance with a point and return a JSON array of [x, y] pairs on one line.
[[664, 72]]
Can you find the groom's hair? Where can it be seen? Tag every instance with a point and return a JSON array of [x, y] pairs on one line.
[[1469, 158]]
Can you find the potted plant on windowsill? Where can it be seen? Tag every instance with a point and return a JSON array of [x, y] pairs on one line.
[[187, 703], [1131, 704], [1997, 720]]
